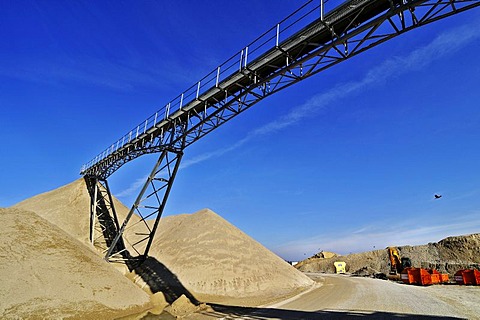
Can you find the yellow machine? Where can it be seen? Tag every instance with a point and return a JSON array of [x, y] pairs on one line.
[[397, 264], [340, 266]]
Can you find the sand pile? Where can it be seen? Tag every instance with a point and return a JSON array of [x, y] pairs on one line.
[[67, 207], [325, 255], [199, 255], [44, 273], [447, 255], [219, 263]]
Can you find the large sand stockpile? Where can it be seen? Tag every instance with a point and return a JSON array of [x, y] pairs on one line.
[[44, 273], [201, 252], [218, 262]]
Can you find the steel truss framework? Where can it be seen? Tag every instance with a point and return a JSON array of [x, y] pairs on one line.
[[348, 30], [148, 206]]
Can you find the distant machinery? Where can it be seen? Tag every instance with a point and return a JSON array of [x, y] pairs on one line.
[[397, 263]]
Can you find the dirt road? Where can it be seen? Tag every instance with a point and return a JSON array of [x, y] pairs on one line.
[[346, 297]]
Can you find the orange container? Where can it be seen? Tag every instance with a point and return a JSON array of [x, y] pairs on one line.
[[407, 276], [418, 276], [466, 276], [444, 278], [476, 274], [424, 277], [435, 276], [458, 277]]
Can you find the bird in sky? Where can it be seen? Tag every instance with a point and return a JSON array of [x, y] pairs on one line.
[[438, 196]]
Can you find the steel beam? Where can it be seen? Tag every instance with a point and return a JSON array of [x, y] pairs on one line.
[[149, 206]]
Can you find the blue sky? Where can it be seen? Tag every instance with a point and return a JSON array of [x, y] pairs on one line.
[[344, 161]]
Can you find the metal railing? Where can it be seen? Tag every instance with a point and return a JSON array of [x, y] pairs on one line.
[[272, 38]]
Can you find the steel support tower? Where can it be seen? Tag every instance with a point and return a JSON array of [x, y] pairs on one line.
[[310, 40]]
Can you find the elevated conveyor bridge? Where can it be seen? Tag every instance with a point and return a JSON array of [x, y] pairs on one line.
[[311, 39]]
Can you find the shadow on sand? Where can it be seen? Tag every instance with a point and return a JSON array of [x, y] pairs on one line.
[[160, 279]]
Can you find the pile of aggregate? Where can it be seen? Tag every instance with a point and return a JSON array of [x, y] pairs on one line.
[[200, 257]]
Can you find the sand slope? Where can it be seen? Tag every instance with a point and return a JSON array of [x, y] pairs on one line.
[[211, 258], [218, 262], [67, 207], [44, 273]]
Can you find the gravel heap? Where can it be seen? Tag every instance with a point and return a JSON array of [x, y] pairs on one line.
[[219, 263], [200, 255]]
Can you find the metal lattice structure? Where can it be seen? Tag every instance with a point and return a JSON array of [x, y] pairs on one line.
[[305, 43]]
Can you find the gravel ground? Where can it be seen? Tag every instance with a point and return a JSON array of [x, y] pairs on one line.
[[347, 297], [341, 293], [465, 299]]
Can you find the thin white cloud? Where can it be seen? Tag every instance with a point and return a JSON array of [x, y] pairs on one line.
[[382, 234], [89, 71], [133, 188], [217, 153]]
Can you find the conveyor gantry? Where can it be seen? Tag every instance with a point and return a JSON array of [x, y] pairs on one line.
[[308, 41]]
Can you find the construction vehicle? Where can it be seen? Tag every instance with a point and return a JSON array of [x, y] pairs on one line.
[[397, 264], [340, 266]]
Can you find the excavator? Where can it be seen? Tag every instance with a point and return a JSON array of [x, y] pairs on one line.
[[401, 269], [397, 264]]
